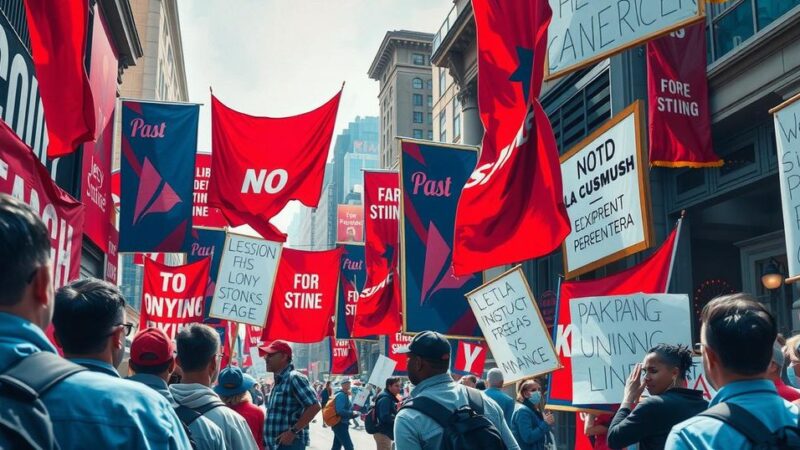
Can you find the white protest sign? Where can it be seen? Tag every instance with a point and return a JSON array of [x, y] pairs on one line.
[[611, 334], [787, 138], [246, 277], [513, 327], [606, 195], [361, 397], [697, 379], [384, 368], [583, 32]]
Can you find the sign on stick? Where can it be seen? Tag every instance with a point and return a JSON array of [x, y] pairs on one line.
[[787, 138], [384, 367]]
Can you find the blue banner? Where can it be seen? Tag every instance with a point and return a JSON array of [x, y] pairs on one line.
[[203, 243], [351, 280], [157, 170], [431, 178]]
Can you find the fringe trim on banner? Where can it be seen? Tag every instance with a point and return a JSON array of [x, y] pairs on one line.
[[690, 164]]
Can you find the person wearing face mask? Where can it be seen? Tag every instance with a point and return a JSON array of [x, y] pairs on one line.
[[791, 353], [670, 402], [531, 426], [775, 369]]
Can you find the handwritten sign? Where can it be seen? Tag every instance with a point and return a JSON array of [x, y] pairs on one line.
[[513, 327], [787, 138], [605, 192], [610, 335], [384, 367], [583, 32], [245, 280]]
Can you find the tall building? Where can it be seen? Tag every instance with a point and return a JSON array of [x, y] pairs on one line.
[[402, 69]]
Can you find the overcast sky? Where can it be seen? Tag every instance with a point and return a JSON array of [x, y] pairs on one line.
[[284, 57]]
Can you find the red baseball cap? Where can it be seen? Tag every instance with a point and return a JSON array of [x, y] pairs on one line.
[[277, 346], [151, 347]]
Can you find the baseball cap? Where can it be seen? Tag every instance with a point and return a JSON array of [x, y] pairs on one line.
[[232, 381], [151, 347], [428, 345], [277, 346]]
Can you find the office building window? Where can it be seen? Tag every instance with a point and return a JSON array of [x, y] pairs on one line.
[[416, 83], [417, 133], [443, 126], [430, 135], [456, 118], [442, 81], [417, 99], [733, 22], [430, 101], [418, 59], [428, 84], [430, 118], [417, 117], [580, 114]]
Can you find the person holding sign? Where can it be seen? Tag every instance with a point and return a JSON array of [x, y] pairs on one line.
[[665, 367], [530, 426]]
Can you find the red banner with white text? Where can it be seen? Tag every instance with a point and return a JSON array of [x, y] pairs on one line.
[[677, 88], [349, 223], [470, 357], [173, 297], [344, 357], [304, 297], [202, 214], [394, 342], [378, 308], [112, 257], [252, 337]]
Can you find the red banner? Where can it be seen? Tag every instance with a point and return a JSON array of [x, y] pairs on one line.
[[344, 357], [304, 298], [378, 308], [349, 223], [96, 174], [259, 164], [202, 214], [252, 337], [173, 297], [677, 89], [138, 258], [470, 357], [512, 207], [58, 44], [394, 342], [112, 257], [650, 276], [24, 177]]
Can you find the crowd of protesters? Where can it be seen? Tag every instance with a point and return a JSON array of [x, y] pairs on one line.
[[178, 396]]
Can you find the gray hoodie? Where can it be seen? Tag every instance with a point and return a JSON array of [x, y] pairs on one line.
[[234, 428], [205, 433]]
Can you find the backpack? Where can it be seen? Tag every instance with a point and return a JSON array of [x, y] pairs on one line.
[[329, 415], [371, 424], [785, 438], [466, 428], [24, 421], [188, 415]]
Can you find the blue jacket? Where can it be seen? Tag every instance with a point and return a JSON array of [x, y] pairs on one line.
[[344, 407], [502, 399], [92, 409], [530, 431], [385, 411]]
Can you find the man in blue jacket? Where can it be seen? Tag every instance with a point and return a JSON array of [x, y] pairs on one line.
[[344, 409], [385, 412], [495, 392]]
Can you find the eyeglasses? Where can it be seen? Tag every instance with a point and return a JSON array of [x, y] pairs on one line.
[[128, 327]]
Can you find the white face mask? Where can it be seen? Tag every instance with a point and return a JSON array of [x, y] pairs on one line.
[[794, 380]]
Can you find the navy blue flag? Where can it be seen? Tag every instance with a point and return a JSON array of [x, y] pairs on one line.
[[431, 178], [159, 142], [205, 242], [351, 282]]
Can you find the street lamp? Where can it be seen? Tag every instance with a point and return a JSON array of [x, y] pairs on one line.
[[771, 277]]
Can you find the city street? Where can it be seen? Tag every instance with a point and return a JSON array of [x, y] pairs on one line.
[[322, 438]]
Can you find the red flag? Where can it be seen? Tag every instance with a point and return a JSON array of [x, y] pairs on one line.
[[112, 257], [252, 337], [202, 214], [231, 334], [259, 164], [58, 44], [470, 357], [344, 357], [24, 177], [138, 258], [394, 342], [677, 89], [512, 207], [173, 297], [304, 298], [378, 307], [650, 276]]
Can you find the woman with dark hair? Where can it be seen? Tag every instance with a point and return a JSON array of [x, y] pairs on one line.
[[670, 402], [531, 427], [324, 396]]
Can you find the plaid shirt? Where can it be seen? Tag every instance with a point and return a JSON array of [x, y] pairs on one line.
[[290, 396]]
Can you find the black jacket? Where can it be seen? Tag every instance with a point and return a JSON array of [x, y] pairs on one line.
[[385, 410], [650, 422]]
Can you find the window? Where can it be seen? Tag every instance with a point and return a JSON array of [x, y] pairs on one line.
[[442, 82], [418, 59], [428, 84], [443, 126], [430, 118], [430, 101], [456, 118], [417, 99], [581, 113], [417, 117], [733, 22], [416, 83], [430, 135], [417, 133]]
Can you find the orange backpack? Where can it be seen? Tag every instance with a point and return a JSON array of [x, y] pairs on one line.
[[329, 415]]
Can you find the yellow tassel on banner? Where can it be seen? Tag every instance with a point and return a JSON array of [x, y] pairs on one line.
[[690, 164]]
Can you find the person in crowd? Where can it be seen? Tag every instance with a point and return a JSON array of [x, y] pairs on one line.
[[256, 395], [386, 403], [153, 361], [344, 409], [775, 370], [737, 334], [495, 392], [428, 365], [234, 390], [86, 407], [480, 385], [325, 395], [199, 357], [292, 402], [791, 351], [469, 380], [596, 427], [356, 389], [648, 422], [530, 425]]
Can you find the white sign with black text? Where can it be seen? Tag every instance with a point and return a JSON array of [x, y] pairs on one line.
[[787, 138]]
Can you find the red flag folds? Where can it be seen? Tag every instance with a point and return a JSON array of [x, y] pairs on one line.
[[378, 308], [304, 298], [58, 44], [394, 342], [259, 164], [173, 297], [680, 121], [344, 357], [512, 208], [470, 357], [651, 276]]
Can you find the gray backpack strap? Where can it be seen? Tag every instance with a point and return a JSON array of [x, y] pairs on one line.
[[39, 372], [741, 420]]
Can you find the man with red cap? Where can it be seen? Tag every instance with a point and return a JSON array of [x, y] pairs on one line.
[[153, 361], [292, 403]]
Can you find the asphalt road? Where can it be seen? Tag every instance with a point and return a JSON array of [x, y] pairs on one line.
[[322, 438]]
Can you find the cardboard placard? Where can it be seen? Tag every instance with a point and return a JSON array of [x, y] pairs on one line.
[[384, 367]]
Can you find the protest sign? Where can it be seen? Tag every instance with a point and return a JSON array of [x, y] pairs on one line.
[[384, 367], [245, 280], [583, 32], [173, 297], [468, 357], [349, 223], [787, 138], [202, 214], [696, 379], [112, 257], [611, 334], [513, 327], [395, 342], [361, 398], [344, 357], [607, 196]]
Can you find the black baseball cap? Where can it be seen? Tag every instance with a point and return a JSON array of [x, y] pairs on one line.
[[429, 345]]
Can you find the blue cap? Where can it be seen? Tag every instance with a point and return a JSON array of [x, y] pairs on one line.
[[232, 381]]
